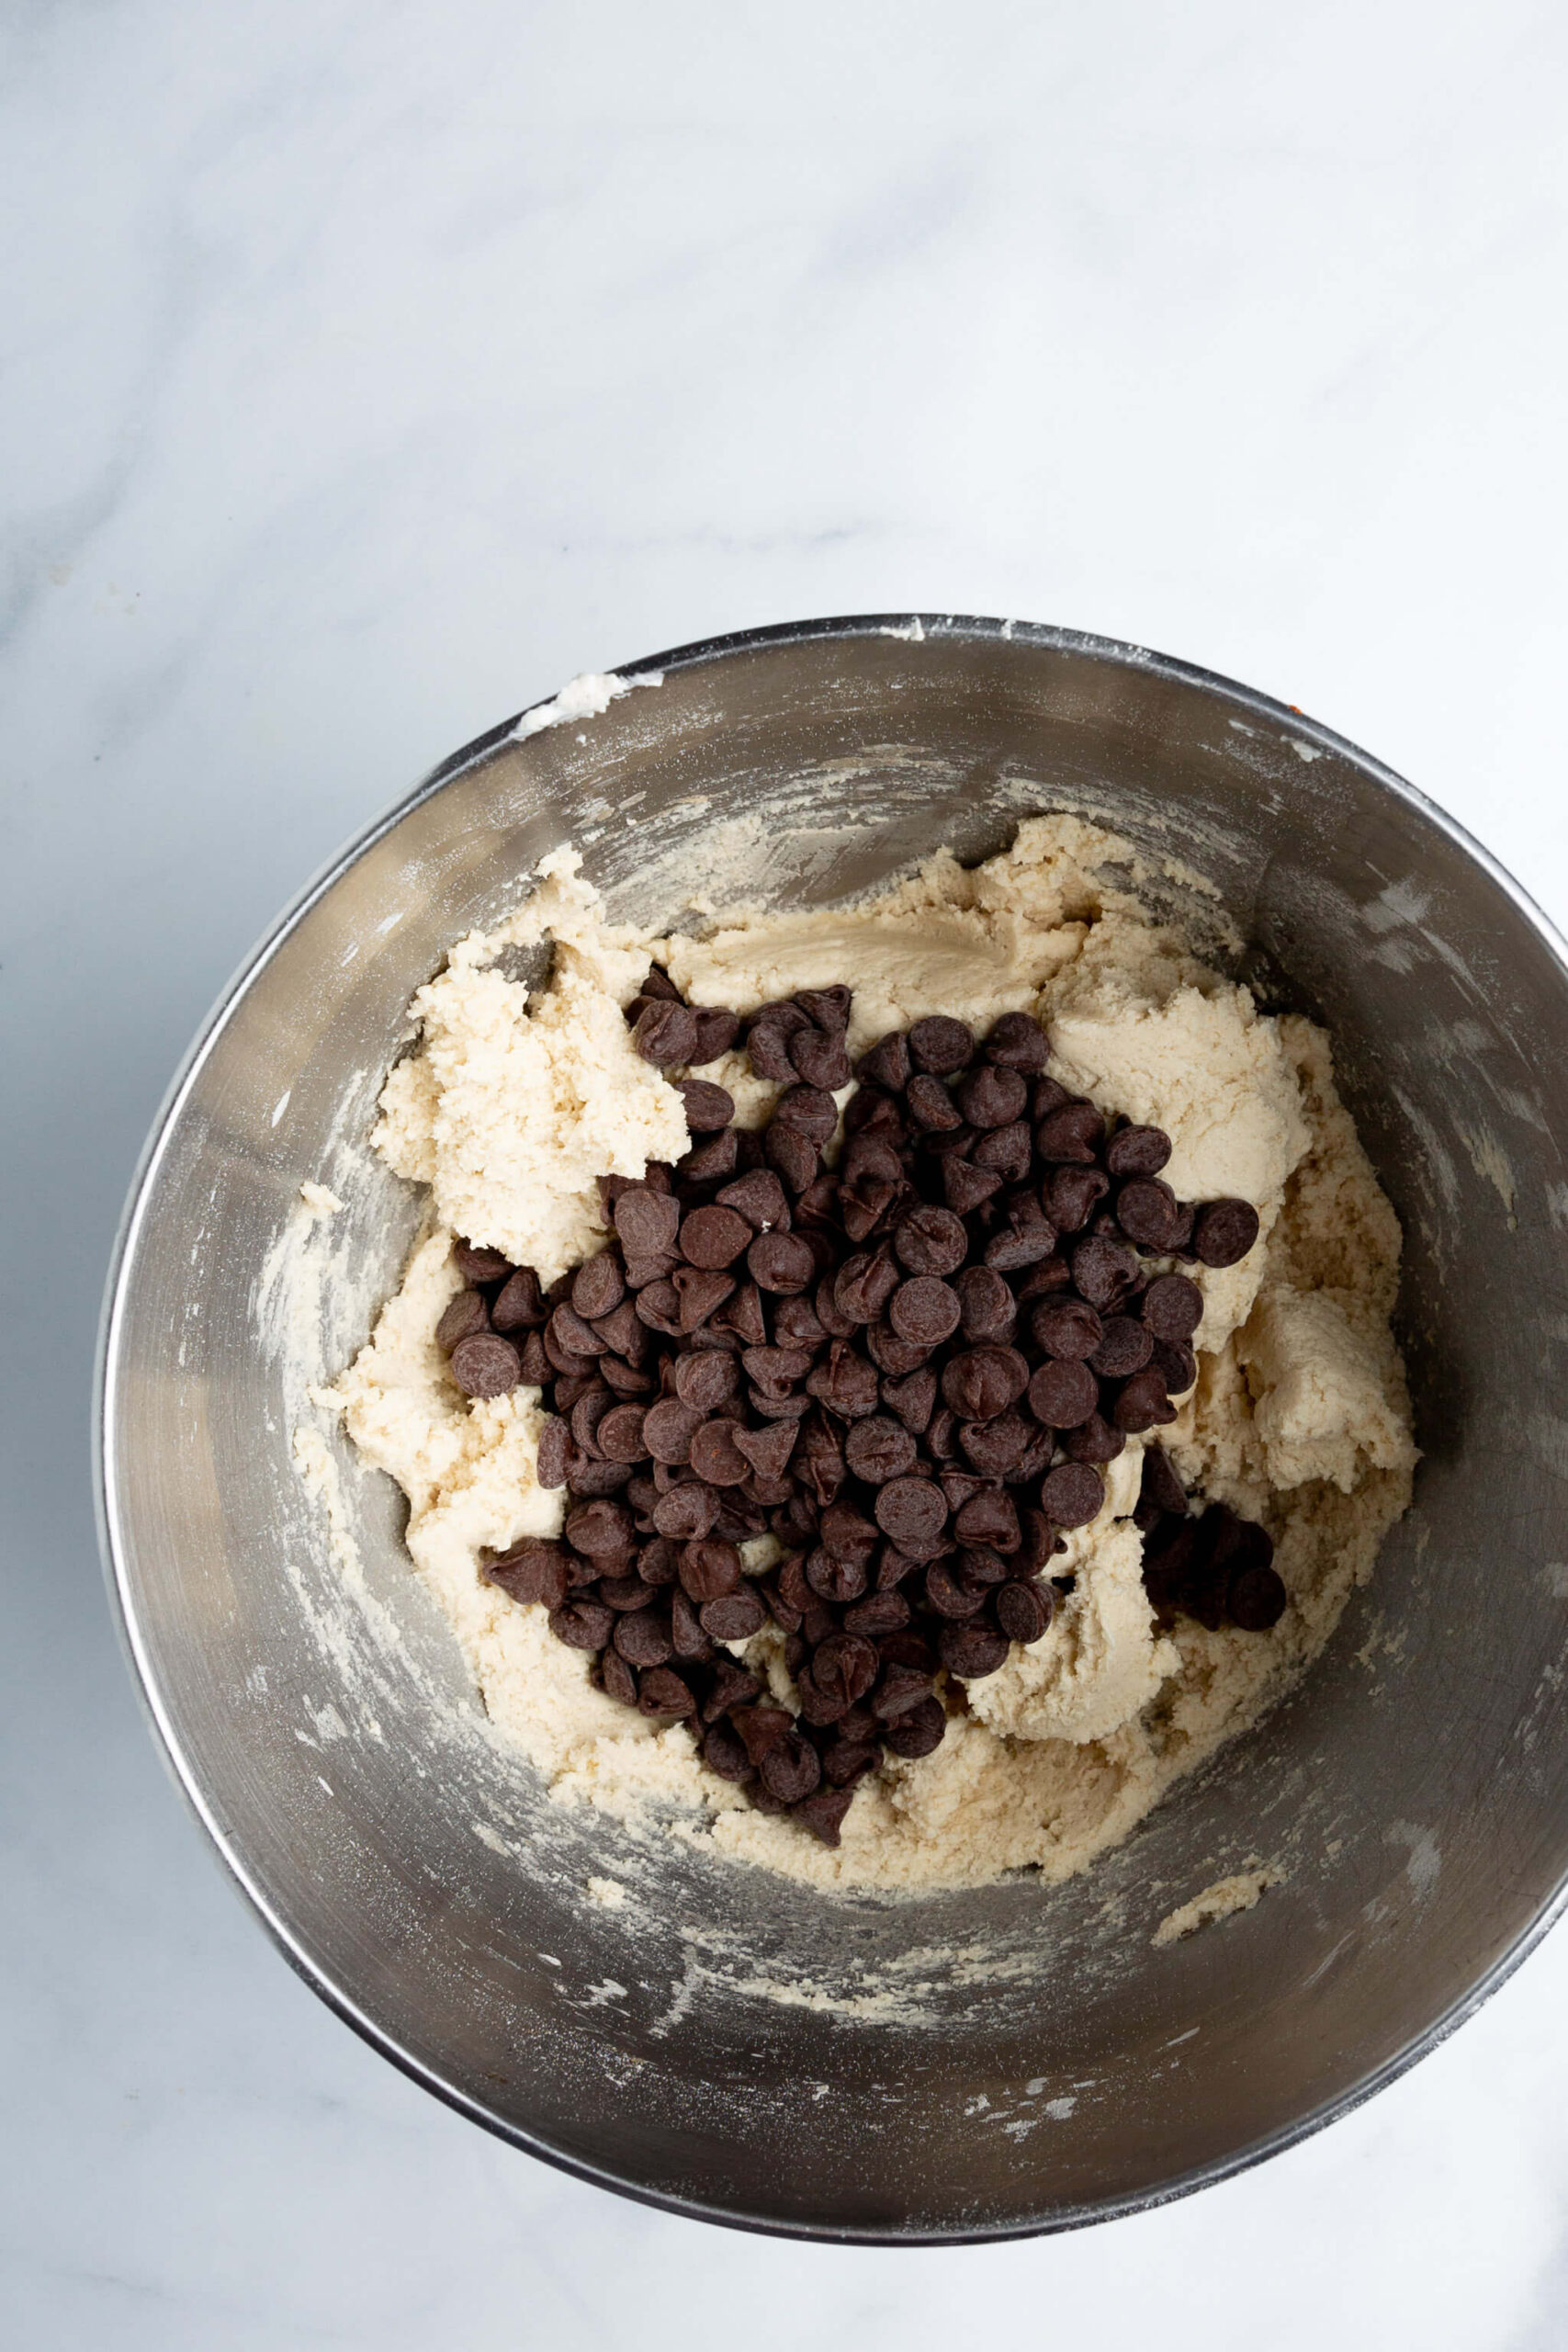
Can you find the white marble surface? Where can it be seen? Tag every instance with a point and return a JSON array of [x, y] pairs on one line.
[[369, 369]]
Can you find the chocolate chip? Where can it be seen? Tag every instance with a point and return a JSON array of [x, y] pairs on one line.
[[844, 1382], [709, 1569], [1072, 1495], [991, 1097], [986, 1305], [863, 1285], [645, 1221], [1073, 1134], [707, 1163], [583, 1625], [1007, 1151], [767, 1040], [708, 1108], [662, 1691], [734, 1617], [913, 1513], [1137, 1151], [930, 1106], [464, 1316], [1105, 1272], [618, 1433], [823, 1813], [1070, 1196], [917, 1732], [598, 1286], [713, 1236], [660, 984], [941, 1045], [1066, 1328], [892, 1355], [791, 1768], [988, 1517], [1063, 1394], [912, 1399], [715, 1456], [718, 1029], [924, 1311], [820, 1058], [984, 1381], [1256, 1599], [887, 1063], [1148, 1213], [970, 1651], [535, 1571], [479, 1265], [1224, 1231], [965, 1187], [878, 1448], [929, 1240], [1142, 1403], [806, 1110], [1024, 1611], [484, 1364], [1177, 1365], [668, 1428], [554, 1452], [1172, 1307], [665, 1035], [1124, 1348], [1016, 1041], [759, 1197], [780, 1262], [519, 1304], [724, 1752]]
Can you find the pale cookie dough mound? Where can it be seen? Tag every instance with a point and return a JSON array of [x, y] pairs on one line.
[[514, 1105]]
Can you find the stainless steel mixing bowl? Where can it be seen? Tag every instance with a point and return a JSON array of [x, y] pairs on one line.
[[973, 2064]]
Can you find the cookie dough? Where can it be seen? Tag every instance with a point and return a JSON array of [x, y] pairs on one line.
[[516, 1101]]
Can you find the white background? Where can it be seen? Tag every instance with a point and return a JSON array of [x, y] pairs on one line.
[[369, 371]]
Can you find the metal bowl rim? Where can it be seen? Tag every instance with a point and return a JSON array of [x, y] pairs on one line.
[[917, 627]]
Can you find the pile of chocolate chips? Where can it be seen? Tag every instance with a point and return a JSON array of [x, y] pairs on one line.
[[908, 1369]]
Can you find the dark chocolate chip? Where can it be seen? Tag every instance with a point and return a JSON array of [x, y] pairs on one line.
[[989, 1097], [972, 1650], [479, 1265], [932, 1106], [1172, 1307], [598, 1286], [1072, 1135], [1148, 1213], [1024, 1611], [913, 1399], [715, 1456], [1124, 1348], [484, 1364], [984, 1381], [820, 1058], [888, 1064], [1256, 1599], [925, 1310], [718, 1029], [780, 1262], [1224, 1231], [1137, 1151], [534, 1571], [917, 1732], [646, 1221], [662, 1691], [941, 1045], [1063, 1394], [791, 1767], [878, 1448], [519, 1304], [583, 1625], [912, 1511], [708, 1108], [930, 1240], [665, 1035], [735, 1616], [714, 1237], [464, 1316], [1072, 1495], [1016, 1041], [1142, 1403]]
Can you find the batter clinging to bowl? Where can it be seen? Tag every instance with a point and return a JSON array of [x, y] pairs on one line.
[[1051, 1724]]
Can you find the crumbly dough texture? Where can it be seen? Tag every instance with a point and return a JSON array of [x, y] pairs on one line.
[[515, 1102]]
